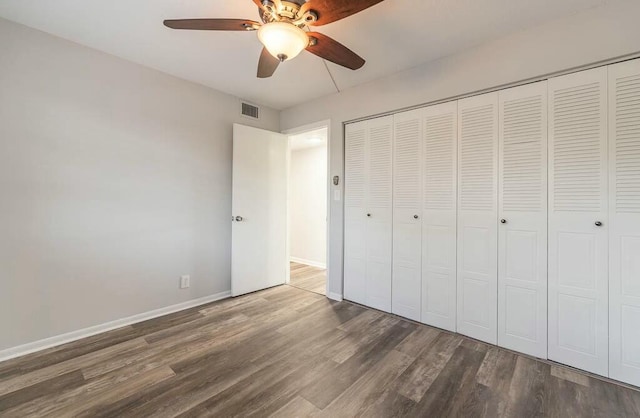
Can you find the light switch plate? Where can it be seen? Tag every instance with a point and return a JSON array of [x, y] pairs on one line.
[[185, 282]]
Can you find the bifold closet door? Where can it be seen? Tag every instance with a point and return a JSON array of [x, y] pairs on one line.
[[522, 232], [355, 213], [578, 222], [368, 209], [379, 212], [477, 217], [439, 215], [407, 214], [624, 248]]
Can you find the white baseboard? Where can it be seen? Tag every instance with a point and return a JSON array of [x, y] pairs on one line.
[[68, 337], [308, 262], [334, 296]]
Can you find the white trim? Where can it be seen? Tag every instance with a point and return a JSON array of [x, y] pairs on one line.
[[330, 188], [68, 337], [309, 127], [335, 296], [308, 262]]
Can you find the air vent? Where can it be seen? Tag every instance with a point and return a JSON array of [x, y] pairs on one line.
[[250, 111]]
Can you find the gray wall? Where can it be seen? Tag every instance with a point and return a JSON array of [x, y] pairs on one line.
[[114, 180], [588, 37]]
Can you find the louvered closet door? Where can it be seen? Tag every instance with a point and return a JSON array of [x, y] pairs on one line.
[[355, 216], [407, 211], [477, 217], [522, 232], [439, 215], [379, 210], [624, 157], [578, 249]]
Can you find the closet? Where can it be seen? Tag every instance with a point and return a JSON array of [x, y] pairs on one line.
[[624, 222], [368, 209], [522, 215], [477, 217], [578, 220], [512, 217], [424, 215]]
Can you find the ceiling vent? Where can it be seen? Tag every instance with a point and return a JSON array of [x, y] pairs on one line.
[[250, 111]]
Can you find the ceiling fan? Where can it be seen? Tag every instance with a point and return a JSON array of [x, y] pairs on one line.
[[283, 30]]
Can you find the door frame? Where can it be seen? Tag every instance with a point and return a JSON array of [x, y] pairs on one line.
[[298, 130]]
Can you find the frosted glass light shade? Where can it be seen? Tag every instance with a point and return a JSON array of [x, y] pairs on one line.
[[283, 40]]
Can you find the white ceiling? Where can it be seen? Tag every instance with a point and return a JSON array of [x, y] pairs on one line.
[[392, 36], [310, 139]]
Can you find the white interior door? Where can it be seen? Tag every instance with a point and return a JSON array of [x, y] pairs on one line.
[[379, 212], [477, 217], [624, 270], [259, 209], [355, 213], [578, 222], [407, 210], [522, 236], [440, 160]]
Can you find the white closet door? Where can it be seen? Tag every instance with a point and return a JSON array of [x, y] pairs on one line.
[[379, 212], [439, 215], [477, 217], [624, 277], [522, 232], [578, 224], [407, 208], [355, 216]]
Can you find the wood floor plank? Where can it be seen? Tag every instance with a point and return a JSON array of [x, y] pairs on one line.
[[445, 393], [37, 376], [308, 278], [50, 387], [61, 353], [298, 407], [328, 388], [285, 352], [527, 391], [420, 375], [365, 391]]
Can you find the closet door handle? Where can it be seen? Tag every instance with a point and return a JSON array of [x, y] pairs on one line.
[[598, 223], [415, 217], [503, 221], [368, 215]]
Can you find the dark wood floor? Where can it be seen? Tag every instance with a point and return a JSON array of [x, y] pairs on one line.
[[309, 278], [287, 352]]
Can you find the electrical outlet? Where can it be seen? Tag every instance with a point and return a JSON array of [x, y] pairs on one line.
[[185, 282]]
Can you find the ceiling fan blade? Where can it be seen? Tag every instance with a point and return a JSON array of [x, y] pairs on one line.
[[331, 10], [212, 24], [267, 64], [333, 51]]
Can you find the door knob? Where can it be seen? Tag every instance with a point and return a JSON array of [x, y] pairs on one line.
[[415, 216], [239, 218], [503, 221], [598, 223], [369, 215]]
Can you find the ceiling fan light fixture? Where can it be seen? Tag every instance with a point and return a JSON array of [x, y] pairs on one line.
[[283, 40]]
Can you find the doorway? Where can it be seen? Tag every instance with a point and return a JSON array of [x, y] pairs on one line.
[[308, 191]]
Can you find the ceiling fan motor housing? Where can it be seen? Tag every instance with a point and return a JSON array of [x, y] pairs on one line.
[[287, 11]]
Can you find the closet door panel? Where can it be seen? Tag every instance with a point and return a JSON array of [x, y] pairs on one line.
[[477, 217], [578, 223], [379, 213], [624, 201], [522, 237], [355, 228], [407, 208], [439, 215]]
